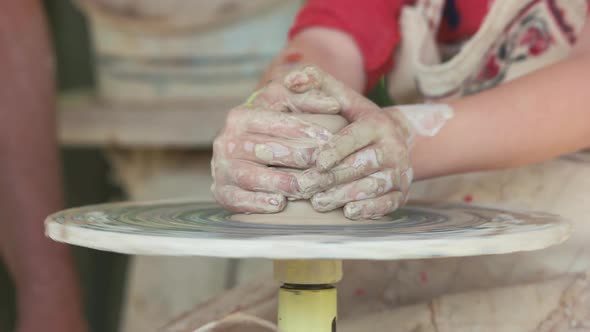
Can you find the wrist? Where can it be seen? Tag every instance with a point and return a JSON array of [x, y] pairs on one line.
[[423, 125], [401, 122]]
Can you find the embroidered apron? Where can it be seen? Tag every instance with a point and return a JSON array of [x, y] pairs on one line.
[[516, 38]]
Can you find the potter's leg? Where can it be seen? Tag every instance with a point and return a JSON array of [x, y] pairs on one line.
[[47, 289]]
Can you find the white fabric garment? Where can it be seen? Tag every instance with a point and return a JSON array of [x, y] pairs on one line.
[[515, 38]]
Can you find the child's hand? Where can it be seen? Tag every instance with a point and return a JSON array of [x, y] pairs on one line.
[[367, 161], [262, 133], [365, 166], [297, 91], [369, 164], [252, 140]]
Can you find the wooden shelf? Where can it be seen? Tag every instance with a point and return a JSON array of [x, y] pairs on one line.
[[85, 121]]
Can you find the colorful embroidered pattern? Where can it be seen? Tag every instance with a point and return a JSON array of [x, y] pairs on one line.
[[530, 37]]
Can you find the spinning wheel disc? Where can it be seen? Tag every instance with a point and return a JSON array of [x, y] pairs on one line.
[[205, 229]]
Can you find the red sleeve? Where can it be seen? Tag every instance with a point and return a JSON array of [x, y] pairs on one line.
[[373, 24]]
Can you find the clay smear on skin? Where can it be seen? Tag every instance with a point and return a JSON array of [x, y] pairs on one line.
[[294, 125], [260, 202], [426, 119], [366, 157], [249, 147], [361, 209], [365, 209], [313, 100], [387, 182], [298, 150], [311, 180], [231, 147], [277, 153], [366, 188], [350, 139], [270, 151]]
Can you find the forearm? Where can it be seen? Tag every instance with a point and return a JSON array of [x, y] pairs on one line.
[[30, 186], [333, 51], [532, 119]]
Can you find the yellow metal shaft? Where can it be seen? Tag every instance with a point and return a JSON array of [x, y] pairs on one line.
[[307, 299], [307, 308]]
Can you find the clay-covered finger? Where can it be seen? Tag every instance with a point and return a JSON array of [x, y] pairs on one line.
[[353, 105], [278, 124], [370, 160], [303, 79], [271, 151], [239, 200], [313, 181], [270, 98], [313, 101], [358, 165], [374, 208], [278, 98], [309, 78], [259, 178], [349, 140], [372, 186]]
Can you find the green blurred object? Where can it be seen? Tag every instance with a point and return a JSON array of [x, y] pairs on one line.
[[71, 43], [86, 175], [7, 305], [102, 274], [379, 94]]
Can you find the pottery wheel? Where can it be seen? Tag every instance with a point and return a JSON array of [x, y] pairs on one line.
[[419, 230]]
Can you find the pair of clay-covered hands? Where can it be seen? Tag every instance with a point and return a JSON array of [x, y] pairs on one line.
[[266, 156]]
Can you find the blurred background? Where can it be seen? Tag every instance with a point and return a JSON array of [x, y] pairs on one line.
[[144, 85]]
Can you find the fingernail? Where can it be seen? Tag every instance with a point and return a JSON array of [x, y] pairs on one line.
[[269, 151], [352, 211], [330, 105], [297, 81], [313, 181], [322, 202], [335, 105], [393, 204], [318, 133], [325, 159], [248, 146], [263, 152], [323, 135], [303, 158], [307, 180], [314, 76], [274, 201], [319, 200], [231, 147]]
